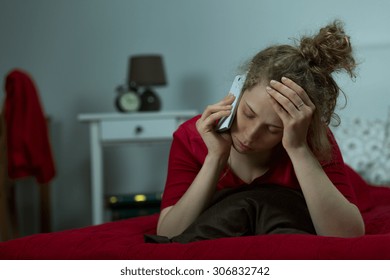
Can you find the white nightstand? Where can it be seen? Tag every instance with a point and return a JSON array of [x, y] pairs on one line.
[[114, 128]]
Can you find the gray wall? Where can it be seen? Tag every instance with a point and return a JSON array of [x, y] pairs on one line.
[[77, 52]]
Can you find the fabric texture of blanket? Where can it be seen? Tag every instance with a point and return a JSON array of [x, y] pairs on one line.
[[125, 239]]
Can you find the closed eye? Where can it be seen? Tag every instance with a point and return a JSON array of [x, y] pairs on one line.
[[249, 116], [275, 129], [248, 112]]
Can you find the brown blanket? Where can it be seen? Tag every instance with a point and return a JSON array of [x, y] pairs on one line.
[[248, 210]]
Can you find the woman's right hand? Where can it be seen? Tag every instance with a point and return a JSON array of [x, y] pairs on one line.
[[175, 219], [218, 144]]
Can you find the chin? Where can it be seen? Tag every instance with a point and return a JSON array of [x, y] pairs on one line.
[[242, 149]]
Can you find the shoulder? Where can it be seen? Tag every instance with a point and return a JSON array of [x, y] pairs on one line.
[[187, 131], [187, 138], [188, 127]]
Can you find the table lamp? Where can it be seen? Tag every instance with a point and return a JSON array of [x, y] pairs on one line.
[[147, 71]]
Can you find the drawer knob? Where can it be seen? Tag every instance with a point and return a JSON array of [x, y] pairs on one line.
[[139, 129]]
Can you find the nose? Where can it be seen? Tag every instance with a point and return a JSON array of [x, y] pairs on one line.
[[252, 133]]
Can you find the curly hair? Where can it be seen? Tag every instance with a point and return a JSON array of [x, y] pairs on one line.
[[310, 62]]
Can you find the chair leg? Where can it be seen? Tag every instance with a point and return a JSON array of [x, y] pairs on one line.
[[4, 212], [45, 207], [13, 212], [8, 213]]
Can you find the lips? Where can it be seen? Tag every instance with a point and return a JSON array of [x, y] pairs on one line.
[[242, 146]]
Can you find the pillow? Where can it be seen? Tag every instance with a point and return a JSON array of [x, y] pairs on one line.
[[365, 145]]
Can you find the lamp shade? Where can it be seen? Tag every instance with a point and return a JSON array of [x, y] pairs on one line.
[[147, 70]]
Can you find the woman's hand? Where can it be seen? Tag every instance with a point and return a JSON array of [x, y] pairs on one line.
[[175, 219], [294, 108], [218, 144]]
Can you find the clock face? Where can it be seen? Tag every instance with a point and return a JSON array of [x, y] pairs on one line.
[[128, 102]]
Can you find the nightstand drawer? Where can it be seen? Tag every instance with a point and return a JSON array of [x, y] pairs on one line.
[[120, 130]]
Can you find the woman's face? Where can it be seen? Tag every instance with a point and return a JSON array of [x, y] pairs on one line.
[[257, 128]]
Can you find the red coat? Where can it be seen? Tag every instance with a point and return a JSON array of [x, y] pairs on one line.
[[28, 147]]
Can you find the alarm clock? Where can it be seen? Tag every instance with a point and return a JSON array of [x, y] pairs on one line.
[[150, 101], [127, 100]]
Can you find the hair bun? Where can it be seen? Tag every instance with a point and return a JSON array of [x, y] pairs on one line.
[[329, 51]]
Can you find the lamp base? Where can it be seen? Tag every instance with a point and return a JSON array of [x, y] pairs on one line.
[[150, 101]]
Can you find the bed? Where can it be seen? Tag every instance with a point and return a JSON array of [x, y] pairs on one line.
[[366, 148], [124, 239]]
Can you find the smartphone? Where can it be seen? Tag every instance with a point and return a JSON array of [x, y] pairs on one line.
[[226, 122]]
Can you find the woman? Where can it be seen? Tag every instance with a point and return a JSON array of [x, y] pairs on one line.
[[279, 150]]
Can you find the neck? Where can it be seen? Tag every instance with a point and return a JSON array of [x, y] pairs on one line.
[[260, 159], [248, 167]]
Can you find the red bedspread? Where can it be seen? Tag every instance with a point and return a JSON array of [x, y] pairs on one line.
[[124, 240]]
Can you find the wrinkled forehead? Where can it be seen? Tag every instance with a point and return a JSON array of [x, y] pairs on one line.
[[258, 100]]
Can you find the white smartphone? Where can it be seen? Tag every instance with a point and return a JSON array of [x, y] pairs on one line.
[[226, 122]]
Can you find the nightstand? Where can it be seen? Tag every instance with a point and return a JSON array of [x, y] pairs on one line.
[[119, 129]]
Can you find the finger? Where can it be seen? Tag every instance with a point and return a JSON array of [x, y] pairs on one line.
[[283, 101], [289, 93], [214, 112], [211, 121], [299, 90], [282, 113], [228, 99], [224, 104]]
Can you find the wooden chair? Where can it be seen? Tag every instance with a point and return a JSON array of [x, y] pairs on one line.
[[9, 227]]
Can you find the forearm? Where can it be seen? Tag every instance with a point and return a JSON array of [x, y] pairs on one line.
[[332, 214], [194, 201]]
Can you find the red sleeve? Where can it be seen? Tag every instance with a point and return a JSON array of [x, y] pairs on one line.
[[188, 152], [337, 172], [185, 160]]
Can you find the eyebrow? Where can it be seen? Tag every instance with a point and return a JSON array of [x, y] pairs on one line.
[[270, 124], [250, 108]]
